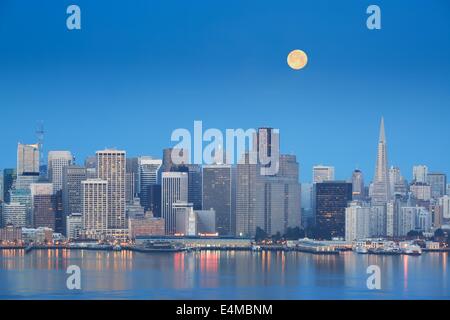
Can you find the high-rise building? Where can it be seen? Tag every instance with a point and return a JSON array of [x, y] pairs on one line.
[[14, 214], [331, 199], [186, 219], [378, 219], [72, 191], [444, 203], [421, 191], [420, 173], [111, 167], [357, 221], [174, 189], [398, 184], [438, 184], [43, 205], [381, 186], [148, 176], [95, 207], [358, 185], [195, 185], [282, 208], [57, 161], [249, 198], [266, 144], [23, 197], [9, 178], [153, 200], [74, 225], [323, 173], [132, 179], [27, 159], [168, 163], [307, 204], [217, 195]]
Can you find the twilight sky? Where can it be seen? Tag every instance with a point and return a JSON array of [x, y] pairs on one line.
[[140, 69]]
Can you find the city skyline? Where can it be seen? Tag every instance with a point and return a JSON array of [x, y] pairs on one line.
[[337, 173]]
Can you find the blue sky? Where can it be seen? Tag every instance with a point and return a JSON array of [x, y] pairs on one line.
[[140, 69]]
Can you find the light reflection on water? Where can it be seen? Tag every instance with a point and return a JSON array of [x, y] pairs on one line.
[[41, 274]]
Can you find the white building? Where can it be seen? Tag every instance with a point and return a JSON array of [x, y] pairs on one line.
[[57, 160], [95, 207], [420, 173], [111, 167], [357, 222], [444, 203], [14, 214], [74, 225], [148, 172], [27, 159], [174, 189], [323, 173]]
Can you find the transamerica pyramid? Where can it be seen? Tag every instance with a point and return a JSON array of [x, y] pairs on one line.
[[381, 187]]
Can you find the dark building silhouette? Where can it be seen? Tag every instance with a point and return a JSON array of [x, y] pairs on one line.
[[331, 199]]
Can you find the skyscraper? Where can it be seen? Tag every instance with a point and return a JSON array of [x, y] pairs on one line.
[[148, 176], [111, 167], [438, 184], [217, 195], [95, 207], [249, 198], [420, 173], [9, 177], [43, 205], [14, 214], [323, 173], [72, 191], [381, 186], [358, 185], [266, 144], [332, 198], [174, 189], [357, 221], [57, 160], [27, 159], [282, 209]]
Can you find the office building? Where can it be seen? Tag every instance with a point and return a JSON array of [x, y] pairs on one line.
[[74, 225], [72, 191], [111, 167], [420, 173], [217, 195], [95, 207], [43, 202], [174, 189], [249, 198], [438, 184], [323, 173], [357, 221], [266, 144], [57, 161], [14, 214], [358, 185], [27, 159], [331, 199]]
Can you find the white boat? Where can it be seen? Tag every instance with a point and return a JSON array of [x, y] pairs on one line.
[[413, 250], [361, 250]]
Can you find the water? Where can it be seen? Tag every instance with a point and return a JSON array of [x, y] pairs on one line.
[[221, 275]]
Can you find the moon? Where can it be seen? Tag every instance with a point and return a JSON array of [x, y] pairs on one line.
[[297, 59]]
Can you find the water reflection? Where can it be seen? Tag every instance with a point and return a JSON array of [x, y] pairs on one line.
[[220, 274]]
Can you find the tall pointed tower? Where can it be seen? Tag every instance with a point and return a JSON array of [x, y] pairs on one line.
[[381, 188]]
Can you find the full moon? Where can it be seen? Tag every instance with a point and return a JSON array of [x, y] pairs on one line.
[[297, 59]]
